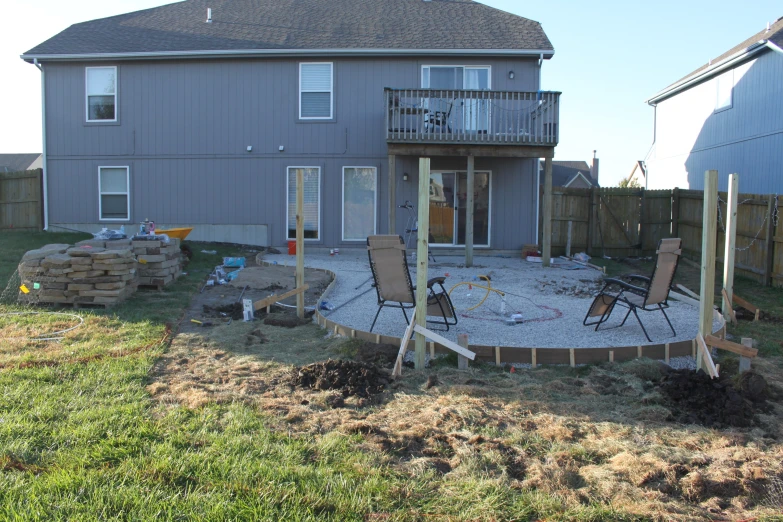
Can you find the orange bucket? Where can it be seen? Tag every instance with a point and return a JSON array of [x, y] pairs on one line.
[[292, 248]]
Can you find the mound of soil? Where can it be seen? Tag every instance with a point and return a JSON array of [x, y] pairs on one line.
[[233, 310], [351, 378], [698, 399], [285, 320]]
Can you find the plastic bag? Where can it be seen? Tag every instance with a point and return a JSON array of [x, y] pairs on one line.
[[234, 262]]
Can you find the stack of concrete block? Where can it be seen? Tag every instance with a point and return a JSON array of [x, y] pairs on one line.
[[82, 274], [160, 263]]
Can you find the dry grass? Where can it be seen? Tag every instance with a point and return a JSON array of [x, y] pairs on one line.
[[595, 435]]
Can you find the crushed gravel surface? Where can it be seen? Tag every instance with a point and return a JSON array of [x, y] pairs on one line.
[[552, 302]]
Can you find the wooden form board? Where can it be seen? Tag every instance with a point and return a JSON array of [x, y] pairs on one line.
[[269, 301], [704, 355]]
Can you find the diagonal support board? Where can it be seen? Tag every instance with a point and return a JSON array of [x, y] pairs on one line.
[[404, 345], [263, 303], [703, 352], [729, 346], [444, 342], [729, 310]]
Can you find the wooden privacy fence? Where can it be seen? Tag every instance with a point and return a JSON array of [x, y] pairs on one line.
[[21, 201], [623, 222]]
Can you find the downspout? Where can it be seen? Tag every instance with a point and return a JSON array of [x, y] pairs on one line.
[[44, 180]]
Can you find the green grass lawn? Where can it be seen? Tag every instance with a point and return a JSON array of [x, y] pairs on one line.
[[81, 437]]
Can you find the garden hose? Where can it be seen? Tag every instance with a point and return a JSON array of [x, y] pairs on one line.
[[488, 288]]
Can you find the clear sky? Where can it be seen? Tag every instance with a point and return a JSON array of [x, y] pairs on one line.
[[610, 56]]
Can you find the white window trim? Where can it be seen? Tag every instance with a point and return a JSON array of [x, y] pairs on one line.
[[488, 67], [489, 218], [287, 215], [116, 95], [331, 92], [717, 109], [578, 175], [375, 209], [101, 193]]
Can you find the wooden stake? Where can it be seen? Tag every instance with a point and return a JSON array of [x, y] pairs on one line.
[[469, 214], [728, 255], [666, 353], [300, 241], [497, 355], [422, 258], [611, 356], [462, 361], [546, 239], [638, 352], [572, 356], [533, 361], [432, 350], [708, 246]]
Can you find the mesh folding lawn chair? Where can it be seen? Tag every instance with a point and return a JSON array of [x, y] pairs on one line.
[[394, 286], [649, 294]]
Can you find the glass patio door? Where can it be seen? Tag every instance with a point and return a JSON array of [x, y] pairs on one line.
[[448, 203], [463, 114]]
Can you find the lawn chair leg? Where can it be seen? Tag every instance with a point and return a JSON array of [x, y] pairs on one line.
[[626, 317], [640, 324], [667, 319], [376, 317], [406, 315]]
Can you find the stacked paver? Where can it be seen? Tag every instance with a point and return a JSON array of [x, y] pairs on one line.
[[160, 263], [91, 272]]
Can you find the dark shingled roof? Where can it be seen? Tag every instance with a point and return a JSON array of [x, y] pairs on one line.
[[301, 24], [19, 162], [565, 171], [774, 35]]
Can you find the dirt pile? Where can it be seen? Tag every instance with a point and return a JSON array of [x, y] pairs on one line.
[[349, 377], [285, 320], [233, 310], [698, 399]]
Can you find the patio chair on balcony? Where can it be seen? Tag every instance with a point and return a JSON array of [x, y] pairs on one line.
[[392, 282], [650, 295], [439, 120]]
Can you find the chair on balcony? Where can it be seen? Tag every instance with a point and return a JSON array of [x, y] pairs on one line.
[[651, 294], [392, 281], [439, 120]]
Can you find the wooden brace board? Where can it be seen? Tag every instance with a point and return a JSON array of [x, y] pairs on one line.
[[444, 342], [747, 306], [269, 301], [732, 315], [404, 345], [729, 346], [704, 353]]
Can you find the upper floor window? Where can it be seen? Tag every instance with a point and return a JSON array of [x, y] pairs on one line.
[[101, 93], [316, 98], [724, 90], [455, 77]]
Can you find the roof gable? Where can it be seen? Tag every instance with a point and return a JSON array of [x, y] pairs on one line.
[[19, 162], [565, 172], [274, 25]]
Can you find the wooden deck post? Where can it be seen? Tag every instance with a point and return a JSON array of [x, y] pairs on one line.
[[392, 226], [708, 246], [422, 258], [770, 241], [300, 241], [731, 238], [546, 239], [469, 213]]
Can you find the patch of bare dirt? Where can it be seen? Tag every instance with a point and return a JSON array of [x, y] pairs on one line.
[[285, 320], [348, 377]]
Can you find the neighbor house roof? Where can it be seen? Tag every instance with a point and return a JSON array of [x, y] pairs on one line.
[[565, 172], [764, 39], [300, 27], [19, 162]]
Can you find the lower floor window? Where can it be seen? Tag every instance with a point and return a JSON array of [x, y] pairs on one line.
[[312, 197], [114, 198], [360, 188]]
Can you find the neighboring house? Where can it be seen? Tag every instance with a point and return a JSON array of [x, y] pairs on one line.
[[20, 162], [728, 116], [638, 175], [201, 113], [570, 174]]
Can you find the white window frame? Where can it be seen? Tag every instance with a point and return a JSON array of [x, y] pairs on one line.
[[287, 215], [87, 94], [126, 193], [375, 209], [488, 67], [729, 78], [331, 92]]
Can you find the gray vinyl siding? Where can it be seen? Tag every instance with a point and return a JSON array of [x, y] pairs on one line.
[[746, 138], [184, 127]]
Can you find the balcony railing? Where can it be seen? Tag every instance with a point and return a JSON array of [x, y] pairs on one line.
[[472, 117]]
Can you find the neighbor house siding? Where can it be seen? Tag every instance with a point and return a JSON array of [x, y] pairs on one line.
[[747, 138], [184, 128]]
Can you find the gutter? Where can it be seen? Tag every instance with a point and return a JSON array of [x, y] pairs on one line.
[[157, 55], [44, 179], [726, 63]]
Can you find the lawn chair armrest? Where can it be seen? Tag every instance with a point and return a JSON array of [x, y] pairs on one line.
[[625, 286], [637, 276], [435, 281]]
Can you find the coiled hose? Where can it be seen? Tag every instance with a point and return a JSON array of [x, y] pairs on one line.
[[488, 288]]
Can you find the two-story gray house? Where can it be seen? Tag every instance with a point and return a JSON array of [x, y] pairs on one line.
[[727, 115], [200, 113]]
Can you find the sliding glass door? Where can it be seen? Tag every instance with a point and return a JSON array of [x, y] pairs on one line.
[[468, 112], [448, 204]]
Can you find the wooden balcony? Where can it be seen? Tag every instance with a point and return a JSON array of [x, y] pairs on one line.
[[465, 117]]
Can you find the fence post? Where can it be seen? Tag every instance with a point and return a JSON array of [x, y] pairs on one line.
[[675, 212], [590, 221], [642, 234], [770, 240]]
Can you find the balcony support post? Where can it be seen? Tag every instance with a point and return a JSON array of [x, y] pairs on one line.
[[469, 213], [391, 227], [546, 237]]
